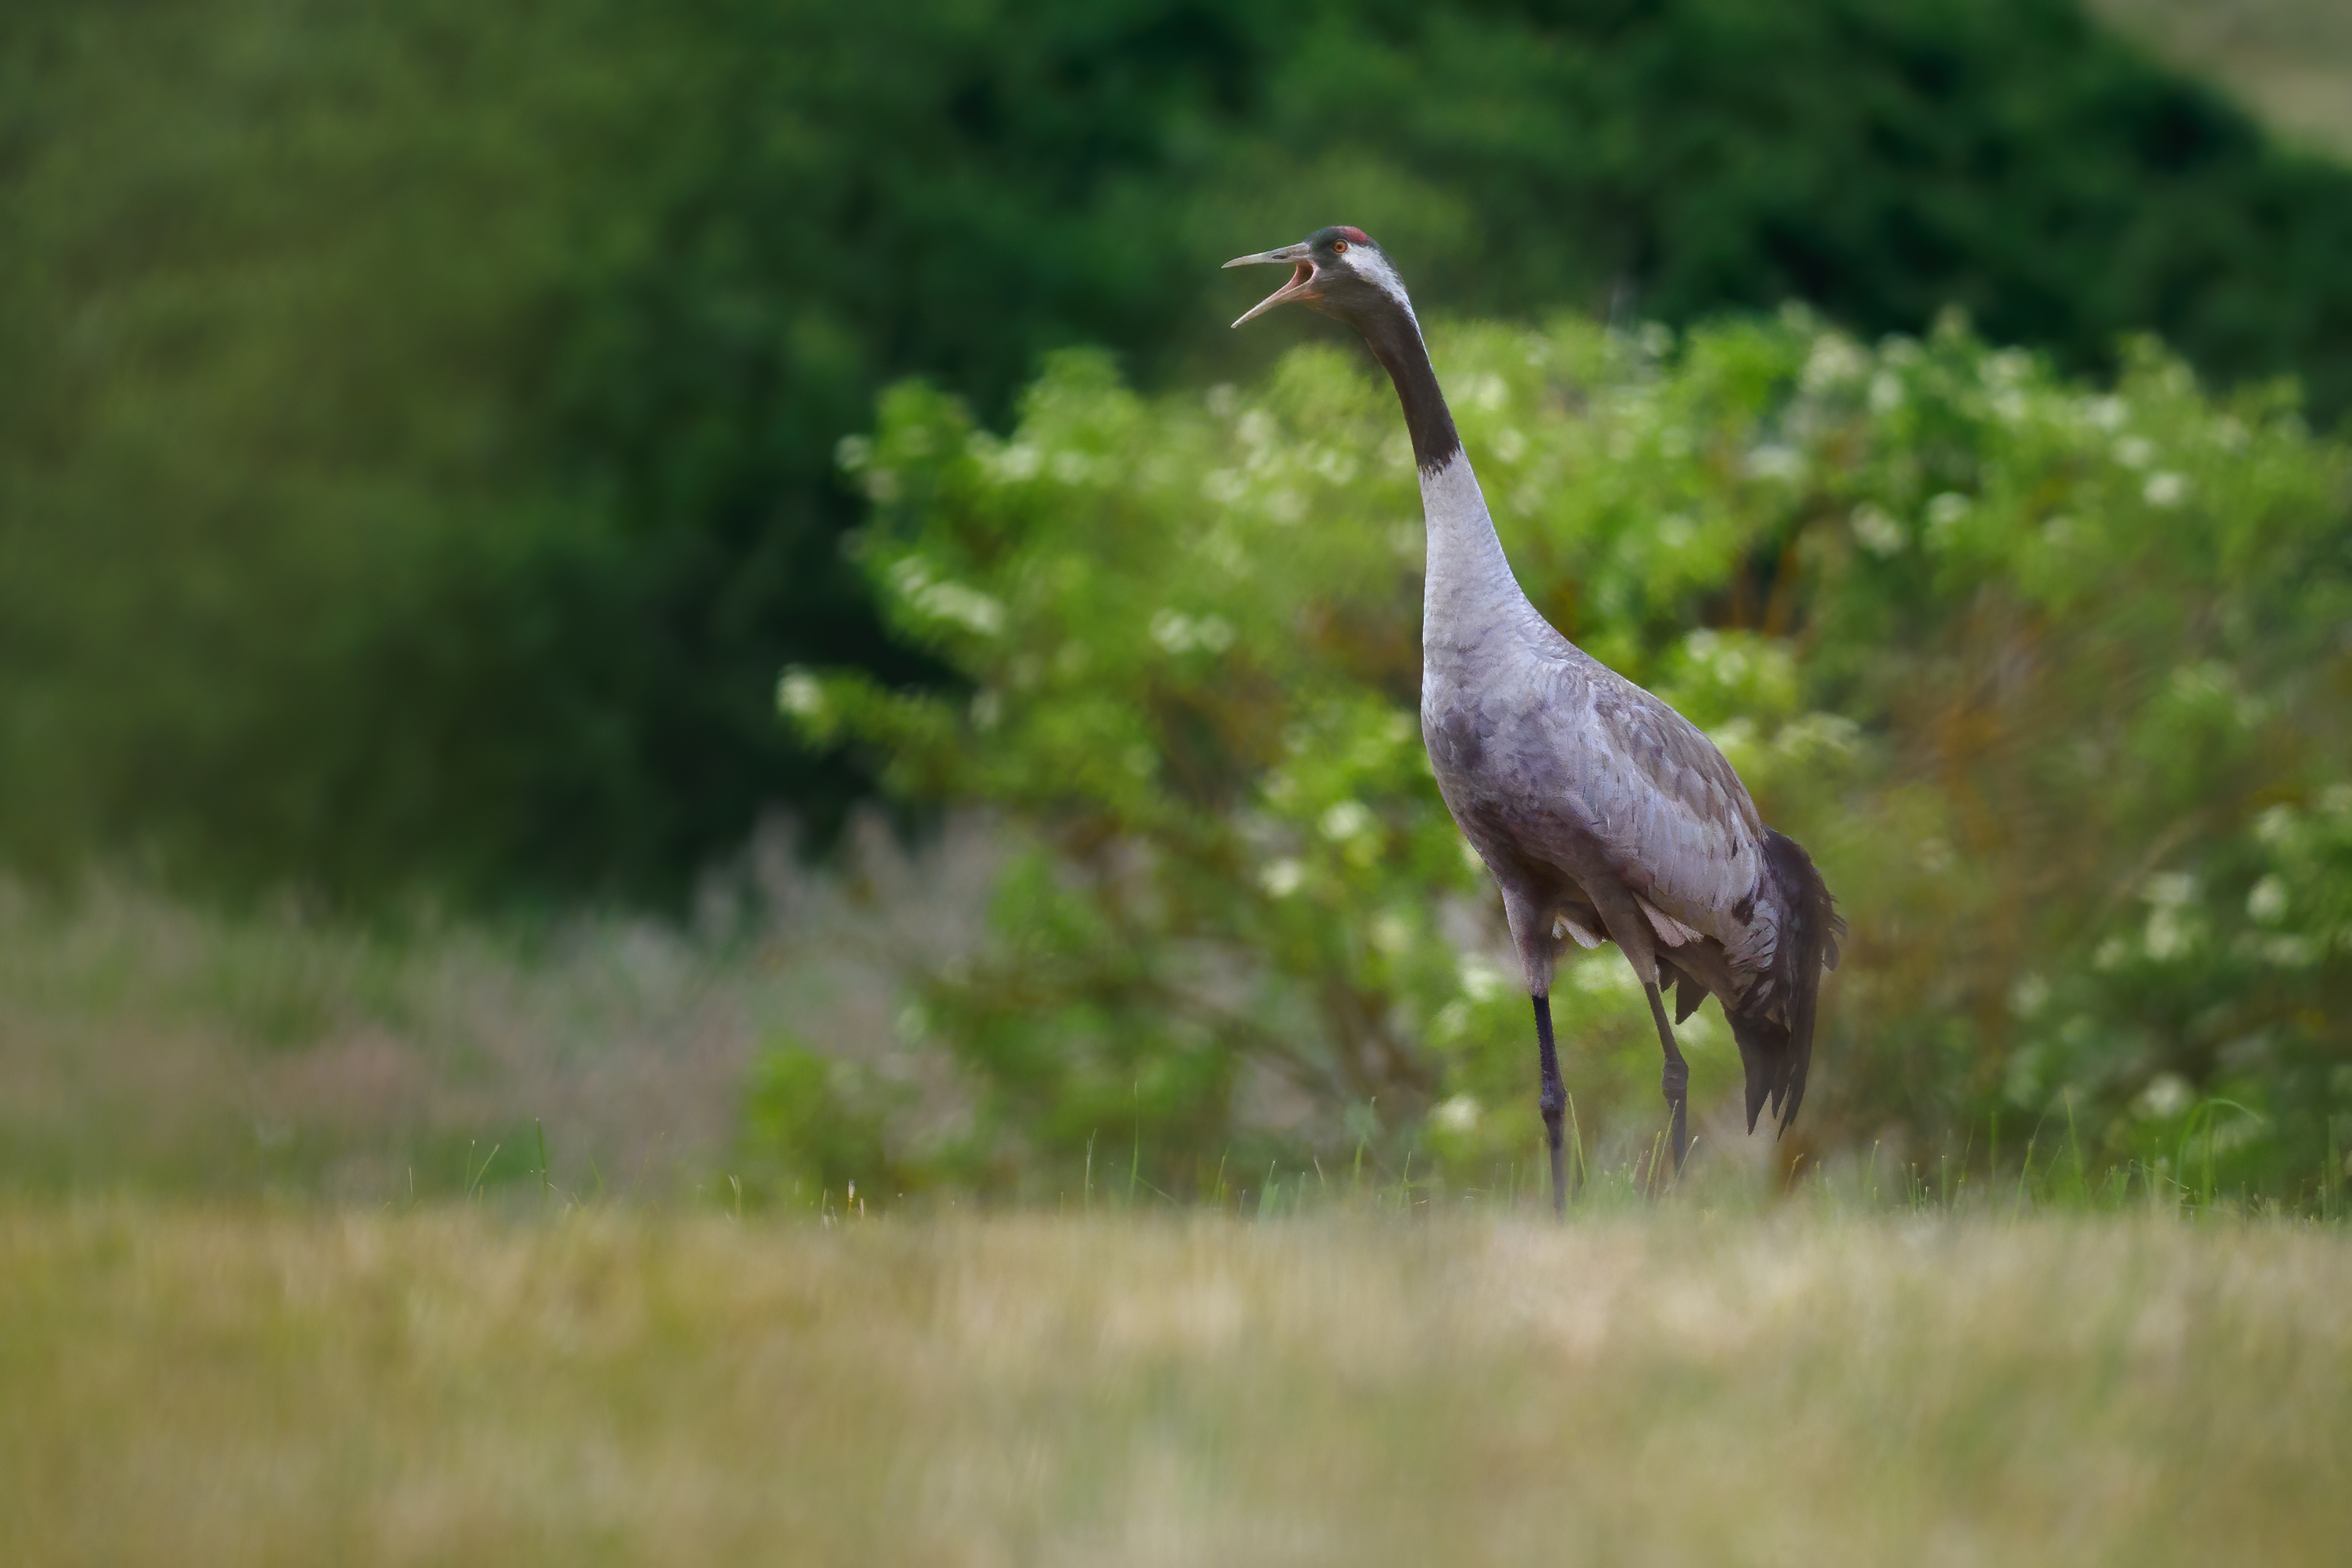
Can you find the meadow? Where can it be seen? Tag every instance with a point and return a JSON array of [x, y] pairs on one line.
[[1694, 1383], [446, 1205], [286, 1277]]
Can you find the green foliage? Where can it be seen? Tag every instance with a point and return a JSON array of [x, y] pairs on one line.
[[812, 1127], [416, 459], [2052, 680]]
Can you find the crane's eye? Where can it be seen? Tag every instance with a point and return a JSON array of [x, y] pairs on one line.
[[1338, 246]]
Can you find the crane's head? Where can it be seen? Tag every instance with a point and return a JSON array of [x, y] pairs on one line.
[[1339, 271]]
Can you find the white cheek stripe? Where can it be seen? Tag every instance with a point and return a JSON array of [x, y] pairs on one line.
[[1372, 267]]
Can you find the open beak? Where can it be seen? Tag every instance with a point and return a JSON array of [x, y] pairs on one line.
[[1302, 281]]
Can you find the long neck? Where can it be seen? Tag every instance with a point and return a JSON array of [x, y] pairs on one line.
[[1468, 589], [1394, 338]]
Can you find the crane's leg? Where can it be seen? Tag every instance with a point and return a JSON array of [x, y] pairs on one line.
[[1554, 1104], [1676, 1079]]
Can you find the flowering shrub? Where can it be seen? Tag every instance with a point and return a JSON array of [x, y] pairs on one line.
[[2052, 680]]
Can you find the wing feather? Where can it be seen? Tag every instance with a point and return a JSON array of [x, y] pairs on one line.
[[1673, 819]]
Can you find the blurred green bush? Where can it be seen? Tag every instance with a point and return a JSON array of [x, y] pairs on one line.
[[414, 453], [813, 1126], [2053, 682]]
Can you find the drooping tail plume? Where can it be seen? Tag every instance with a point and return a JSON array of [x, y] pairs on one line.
[[1774, 1025]]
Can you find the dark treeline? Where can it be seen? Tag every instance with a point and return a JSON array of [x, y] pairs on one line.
[[416, 449]]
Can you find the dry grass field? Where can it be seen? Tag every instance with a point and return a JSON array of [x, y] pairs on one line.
[[194, 1385]]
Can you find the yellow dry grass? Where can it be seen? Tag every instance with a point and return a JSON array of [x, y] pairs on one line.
[[199, 1386]]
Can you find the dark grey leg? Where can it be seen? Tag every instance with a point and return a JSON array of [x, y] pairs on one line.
[[1676, 1079], [1554, 1102]]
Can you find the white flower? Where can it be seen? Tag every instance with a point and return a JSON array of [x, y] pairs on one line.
[[2166, 489], [1481, 981], [2267, 902], [1834, 361], [1171, 629], [800, 694], [2171, 932], [1876, 531], [1282, 878], [967, 607], [2290, 952], [1459, 1114], [2167, 1095], [2135, 451], [2005, 367], [1346, 819], [1813, 734]]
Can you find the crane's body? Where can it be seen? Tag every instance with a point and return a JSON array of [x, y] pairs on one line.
[[1602, 812]]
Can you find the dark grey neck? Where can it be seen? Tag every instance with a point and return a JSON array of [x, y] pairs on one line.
[[1395, 341]]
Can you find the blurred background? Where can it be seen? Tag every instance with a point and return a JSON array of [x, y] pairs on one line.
[[430, 430]]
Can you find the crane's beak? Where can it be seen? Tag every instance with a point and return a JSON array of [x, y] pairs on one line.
[[1302, 281]]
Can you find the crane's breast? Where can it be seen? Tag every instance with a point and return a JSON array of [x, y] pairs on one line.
[[1561, 763]]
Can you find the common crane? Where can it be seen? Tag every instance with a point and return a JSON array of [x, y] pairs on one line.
[[1602, 812]]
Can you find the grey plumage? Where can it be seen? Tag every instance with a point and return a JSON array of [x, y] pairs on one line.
[[1602, 812]]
